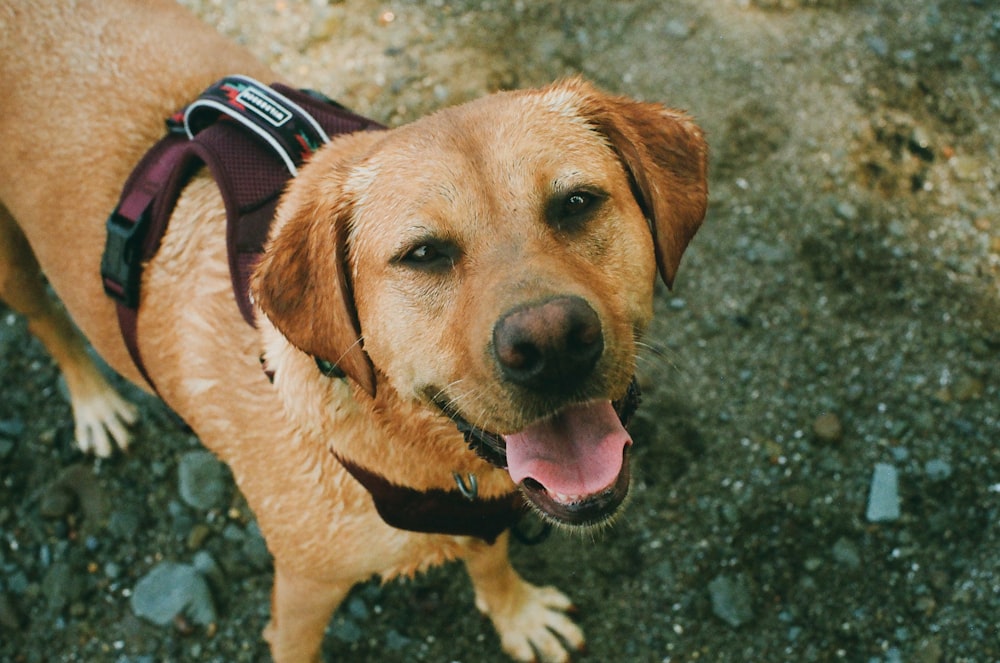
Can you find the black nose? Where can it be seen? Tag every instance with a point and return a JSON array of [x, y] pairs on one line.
[[549, 346]]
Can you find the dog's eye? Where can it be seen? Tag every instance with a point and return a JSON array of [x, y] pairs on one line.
[[571, 210], [578, 202], [423, 253], [430, 255]]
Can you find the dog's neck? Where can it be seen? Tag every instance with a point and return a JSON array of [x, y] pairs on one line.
[[408, 464]]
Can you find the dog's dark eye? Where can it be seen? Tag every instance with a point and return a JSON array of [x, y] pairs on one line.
[[430, 255], [423, 254], [578, 202], [571, 210]]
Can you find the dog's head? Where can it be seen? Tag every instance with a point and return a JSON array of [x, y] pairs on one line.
[[496, 261]]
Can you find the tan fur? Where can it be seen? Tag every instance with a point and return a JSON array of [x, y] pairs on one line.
[[88, 86]]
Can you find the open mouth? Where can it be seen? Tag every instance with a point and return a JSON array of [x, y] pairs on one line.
[[571, 466]]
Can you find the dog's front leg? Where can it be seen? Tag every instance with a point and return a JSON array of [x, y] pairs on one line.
[[102, 416], [301, 608], [532, 621]]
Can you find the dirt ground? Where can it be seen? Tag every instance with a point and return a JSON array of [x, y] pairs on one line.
[[837, 320]]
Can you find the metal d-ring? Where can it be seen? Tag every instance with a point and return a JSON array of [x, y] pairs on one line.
[[470, 490]]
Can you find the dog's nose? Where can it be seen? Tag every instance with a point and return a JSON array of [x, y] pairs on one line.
[[549, 346]]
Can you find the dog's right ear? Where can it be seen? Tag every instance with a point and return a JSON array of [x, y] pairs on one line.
[[303, 284], [666, 157]]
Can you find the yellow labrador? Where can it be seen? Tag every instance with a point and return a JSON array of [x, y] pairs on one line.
[[480, 277]]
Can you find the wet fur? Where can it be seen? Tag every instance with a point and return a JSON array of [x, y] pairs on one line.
[[328, 280]]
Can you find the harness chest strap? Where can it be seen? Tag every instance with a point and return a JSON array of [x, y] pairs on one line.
[[252, 139], [421, 510]]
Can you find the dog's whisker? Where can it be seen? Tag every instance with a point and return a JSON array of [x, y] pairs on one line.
[[348, 350], [650, 348], [658, 357]]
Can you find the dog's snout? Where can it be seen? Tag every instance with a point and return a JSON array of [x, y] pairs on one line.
[[549, 346]]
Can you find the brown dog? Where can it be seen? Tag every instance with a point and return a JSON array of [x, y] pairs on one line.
[[491, 265]]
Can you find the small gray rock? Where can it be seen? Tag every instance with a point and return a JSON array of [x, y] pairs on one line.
[[845, 211], [254, 548], [346, 630], [937, 469], [678, 29], [62, 586], [731, 600], [846, 553], [56, 502], [124, 522], [209, 569], [396, 641], [883, 497], [172, 589], [202, 480], [878, 45], [11, 428], [77, 486]]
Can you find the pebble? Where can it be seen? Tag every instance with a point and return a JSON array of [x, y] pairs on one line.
[[967, 388], [202, 480], [197, 536], [883, 497], [967, 169], [878, 45], [254, 548], [76, 485], [937, 469], [846, 553], [206, 565], [11, 428], [731, 600], [56, 502], [928, 650], [61, 586], [846, 211], [827, 428], [124, 522], [396, 641], [678, 29], [171, 589], [11, 618], [346, 630]]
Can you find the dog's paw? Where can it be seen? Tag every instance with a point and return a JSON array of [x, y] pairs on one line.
[[534, 625], [102, 419]]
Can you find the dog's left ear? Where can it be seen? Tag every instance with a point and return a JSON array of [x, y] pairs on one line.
[[666, 156], [302, 284]]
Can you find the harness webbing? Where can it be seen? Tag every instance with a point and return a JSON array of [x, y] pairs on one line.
[[252, 139]]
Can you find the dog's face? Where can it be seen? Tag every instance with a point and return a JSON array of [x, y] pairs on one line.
[[498, 261]]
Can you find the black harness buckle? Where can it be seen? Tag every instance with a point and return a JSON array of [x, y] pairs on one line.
[[121, 264]]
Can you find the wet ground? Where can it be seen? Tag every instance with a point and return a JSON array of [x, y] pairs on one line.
[[817, 475]]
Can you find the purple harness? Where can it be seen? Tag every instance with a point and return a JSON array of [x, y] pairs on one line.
[[253, 138]]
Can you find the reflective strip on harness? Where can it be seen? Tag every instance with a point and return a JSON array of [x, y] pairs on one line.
[[284, 125]]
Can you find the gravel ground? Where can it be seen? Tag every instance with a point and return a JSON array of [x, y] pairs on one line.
[[817, 475]]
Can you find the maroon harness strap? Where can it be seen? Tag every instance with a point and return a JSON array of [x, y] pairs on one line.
[[422, 510], [134, 233], [251, 169]]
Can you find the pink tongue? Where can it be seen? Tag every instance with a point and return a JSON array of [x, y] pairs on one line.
[[577, 453]]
